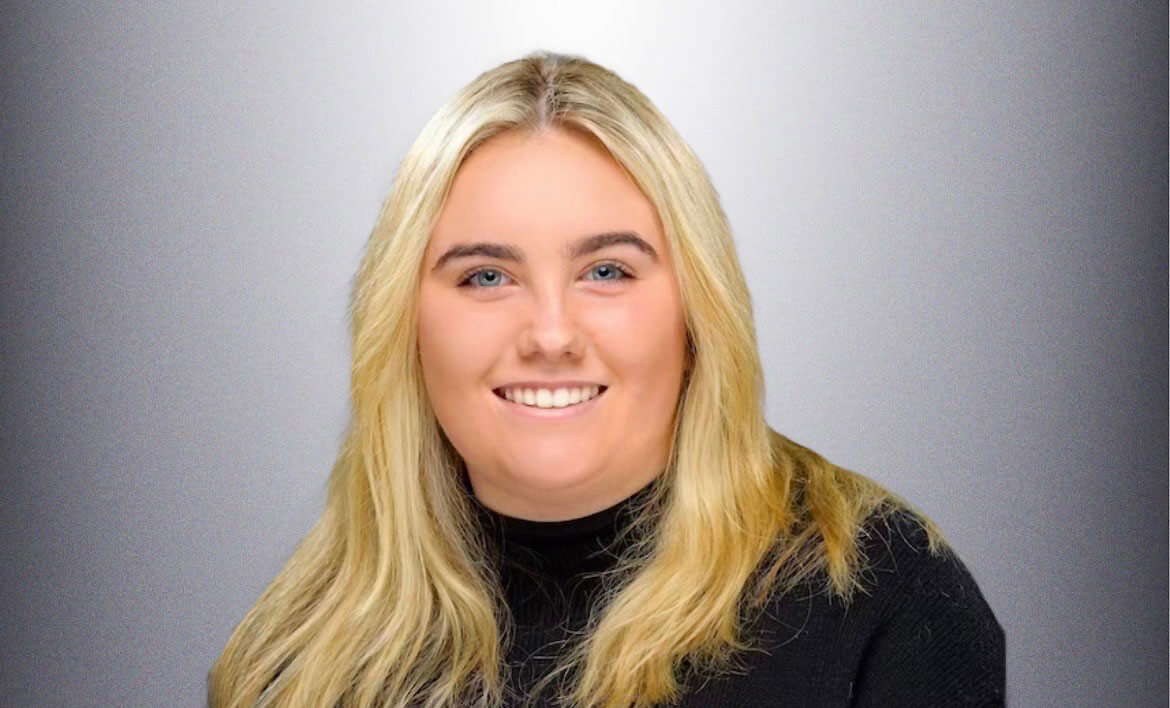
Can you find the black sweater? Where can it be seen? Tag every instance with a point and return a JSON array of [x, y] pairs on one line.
[[923, 635]]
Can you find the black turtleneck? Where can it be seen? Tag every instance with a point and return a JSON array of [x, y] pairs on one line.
[[923, 635]]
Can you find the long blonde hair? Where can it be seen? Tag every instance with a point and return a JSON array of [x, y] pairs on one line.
[[390, 600]]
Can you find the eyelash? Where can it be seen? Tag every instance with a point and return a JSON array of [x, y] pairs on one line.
[[465, 281]]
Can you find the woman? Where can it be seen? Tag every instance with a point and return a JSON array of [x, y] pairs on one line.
[[558, 483]]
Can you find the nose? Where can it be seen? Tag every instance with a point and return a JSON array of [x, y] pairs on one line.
[[552, 331]]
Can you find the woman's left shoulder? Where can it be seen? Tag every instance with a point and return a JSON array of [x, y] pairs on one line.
[[911, 570], [938, 638]]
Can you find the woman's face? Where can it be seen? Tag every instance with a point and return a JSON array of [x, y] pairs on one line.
[[548, 272]]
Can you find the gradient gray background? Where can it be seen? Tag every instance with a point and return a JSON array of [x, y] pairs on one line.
[[953, 220]]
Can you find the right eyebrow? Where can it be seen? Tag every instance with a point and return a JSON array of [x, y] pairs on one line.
[[489, 250]]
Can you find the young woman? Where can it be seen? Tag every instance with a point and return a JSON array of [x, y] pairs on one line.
[[558, 486]]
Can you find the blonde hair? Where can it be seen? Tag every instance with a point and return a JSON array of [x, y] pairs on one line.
[[390, 598]]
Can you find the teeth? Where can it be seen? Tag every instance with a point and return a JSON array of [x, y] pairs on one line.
[[546, 398]]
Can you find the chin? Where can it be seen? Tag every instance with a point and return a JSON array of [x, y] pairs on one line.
[[551, 471]]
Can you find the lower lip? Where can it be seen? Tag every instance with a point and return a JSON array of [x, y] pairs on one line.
[[534, 413]]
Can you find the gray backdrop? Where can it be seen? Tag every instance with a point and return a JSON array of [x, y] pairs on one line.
[[953, 219]]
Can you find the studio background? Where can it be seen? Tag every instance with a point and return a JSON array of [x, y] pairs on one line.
[[953, 220]]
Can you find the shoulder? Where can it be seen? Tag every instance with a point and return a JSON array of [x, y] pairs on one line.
[[937, 638], [907, 566]]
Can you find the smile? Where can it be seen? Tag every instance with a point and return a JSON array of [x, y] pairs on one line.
[[546, 403]]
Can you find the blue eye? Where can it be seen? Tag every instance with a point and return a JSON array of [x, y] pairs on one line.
[[618, 272], [486, 278], [470, 278]]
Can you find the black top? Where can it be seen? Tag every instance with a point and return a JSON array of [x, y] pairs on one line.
[[923, 635]]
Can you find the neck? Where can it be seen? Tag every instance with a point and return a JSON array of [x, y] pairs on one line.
[[544, 507]]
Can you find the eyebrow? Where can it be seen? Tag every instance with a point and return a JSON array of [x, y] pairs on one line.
[[582, 246]]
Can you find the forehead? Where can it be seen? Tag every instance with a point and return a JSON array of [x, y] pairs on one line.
[[544, 188]]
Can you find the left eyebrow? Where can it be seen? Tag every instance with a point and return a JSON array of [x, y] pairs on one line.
[[581, 247]]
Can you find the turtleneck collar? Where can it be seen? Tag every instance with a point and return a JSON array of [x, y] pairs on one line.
[[552, 571], [602, 525]]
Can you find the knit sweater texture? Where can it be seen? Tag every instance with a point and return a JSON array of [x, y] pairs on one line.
[[921, 634]]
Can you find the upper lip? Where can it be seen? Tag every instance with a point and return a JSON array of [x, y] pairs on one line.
[[551, 385]]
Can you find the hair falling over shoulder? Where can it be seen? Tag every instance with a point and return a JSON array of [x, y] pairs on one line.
[[389, 601]]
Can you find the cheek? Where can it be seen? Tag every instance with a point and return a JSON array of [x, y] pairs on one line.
[[643, 340], [455, 349]]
